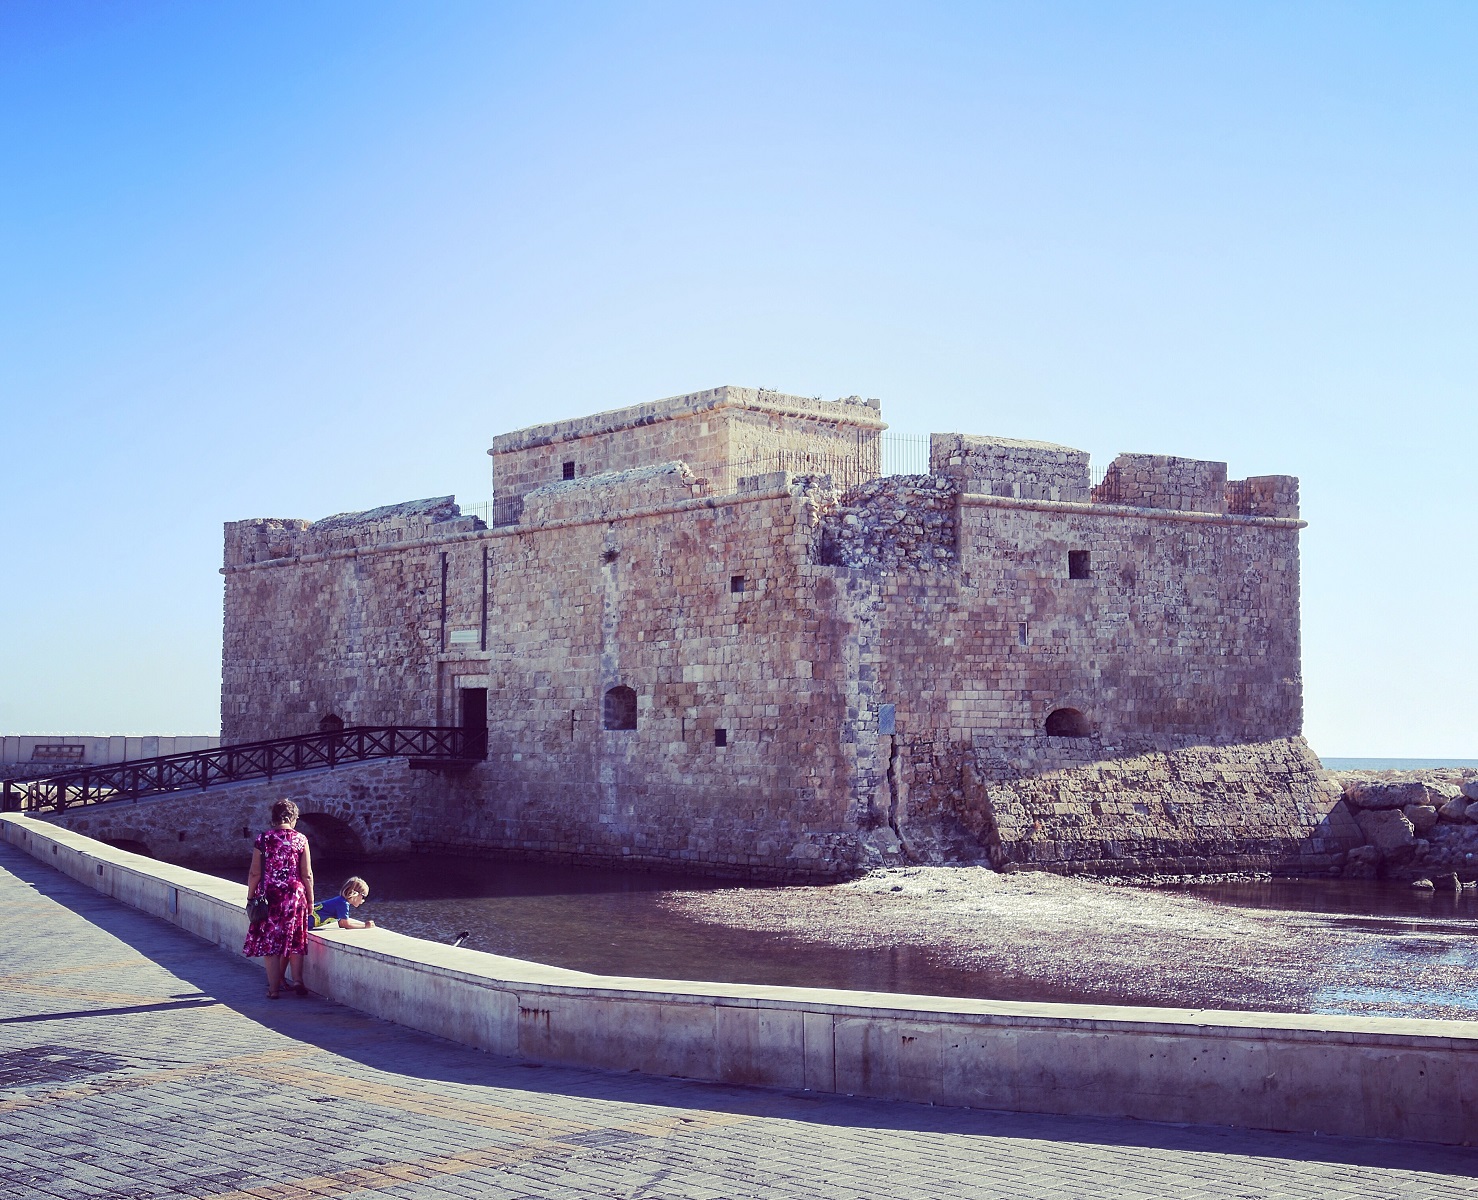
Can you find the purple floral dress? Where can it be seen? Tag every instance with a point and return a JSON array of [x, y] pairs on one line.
[[285, 931]]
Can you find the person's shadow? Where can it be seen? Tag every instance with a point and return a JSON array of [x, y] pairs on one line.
[[217, 977]]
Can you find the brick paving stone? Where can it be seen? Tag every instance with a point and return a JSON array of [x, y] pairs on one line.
[[214, 1091]]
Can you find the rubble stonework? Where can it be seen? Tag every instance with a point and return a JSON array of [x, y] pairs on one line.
[[825, 674]]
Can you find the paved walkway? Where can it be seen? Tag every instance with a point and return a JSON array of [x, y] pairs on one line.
[[136, 1061]]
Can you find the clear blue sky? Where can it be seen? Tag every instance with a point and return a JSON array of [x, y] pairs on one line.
[[286, 259]]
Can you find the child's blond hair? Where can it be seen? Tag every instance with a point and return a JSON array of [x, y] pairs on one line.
[[354, 884]]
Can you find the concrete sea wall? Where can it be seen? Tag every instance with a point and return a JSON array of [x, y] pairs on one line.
[[1371, 1077]]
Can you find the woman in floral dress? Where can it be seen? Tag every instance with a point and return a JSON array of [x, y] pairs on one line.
[[282, 871]]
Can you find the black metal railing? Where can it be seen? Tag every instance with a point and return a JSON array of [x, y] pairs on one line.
[[245, 760]]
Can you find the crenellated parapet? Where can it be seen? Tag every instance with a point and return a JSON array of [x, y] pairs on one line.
[[269, 538], [994, 466]]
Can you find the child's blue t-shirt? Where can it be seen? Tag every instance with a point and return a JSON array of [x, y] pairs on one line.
[[327, 911]]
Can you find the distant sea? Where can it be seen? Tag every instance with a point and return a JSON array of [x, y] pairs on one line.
[[1393, 764]]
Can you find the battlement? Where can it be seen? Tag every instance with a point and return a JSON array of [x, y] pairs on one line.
[[1194, 485], [266, 538], [995, 466]]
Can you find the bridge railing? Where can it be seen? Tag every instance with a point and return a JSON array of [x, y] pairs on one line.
[[245, 760]]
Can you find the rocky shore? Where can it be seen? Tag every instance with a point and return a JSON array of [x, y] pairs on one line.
[[1417, 825]]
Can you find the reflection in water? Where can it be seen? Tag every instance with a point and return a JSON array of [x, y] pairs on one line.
[[615, 923]]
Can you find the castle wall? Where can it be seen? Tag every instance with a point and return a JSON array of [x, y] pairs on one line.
[[349, 623], [1008, 467], [593, 596], [880, 662], [716, 432]]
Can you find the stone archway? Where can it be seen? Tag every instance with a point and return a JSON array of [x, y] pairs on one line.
[[330, 838], [1068, 722]]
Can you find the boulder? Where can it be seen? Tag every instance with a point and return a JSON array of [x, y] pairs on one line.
[[1421, 816], [1472, 812], [1425, 885], [1362, 862], [1470, 789], [1453, 810], [1448, 883], [1379, 794], [1389, 832]]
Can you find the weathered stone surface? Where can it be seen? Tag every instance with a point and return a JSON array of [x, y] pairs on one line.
[[767, 619], [1470, 789], [1377, 793], [1471, 813], [1363, 862], [1423, 884], [1388, 831], [1454, 810], [1421, 816], [1448, 882]]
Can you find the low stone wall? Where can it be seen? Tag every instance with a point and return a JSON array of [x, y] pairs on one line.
[[358, 809], [1075, 805], [1364, 1077]]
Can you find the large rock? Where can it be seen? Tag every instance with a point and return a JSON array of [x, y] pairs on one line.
[[1470, 789], [1380, 793], [1389, 832], [1453, 810], [1421, 816], [1472, 813], [1363, 862]]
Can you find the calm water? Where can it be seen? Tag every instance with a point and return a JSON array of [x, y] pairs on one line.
[[613, 922], [1394, 764]]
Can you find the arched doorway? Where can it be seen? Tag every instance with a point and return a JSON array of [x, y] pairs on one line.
[[330, 838]]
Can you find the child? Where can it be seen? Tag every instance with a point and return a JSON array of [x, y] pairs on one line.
[[354, 893], [326, 912]]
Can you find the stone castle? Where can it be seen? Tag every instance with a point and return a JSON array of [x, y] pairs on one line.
[[708, 632]]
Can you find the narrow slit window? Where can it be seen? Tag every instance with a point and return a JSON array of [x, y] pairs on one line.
[[1078, 565]]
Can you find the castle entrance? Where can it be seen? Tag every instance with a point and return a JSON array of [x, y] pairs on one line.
[[474, 719]]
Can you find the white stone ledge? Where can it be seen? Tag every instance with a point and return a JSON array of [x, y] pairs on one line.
[[1086, 509], [1358, 1076]]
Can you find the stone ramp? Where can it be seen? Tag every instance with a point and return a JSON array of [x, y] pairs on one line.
[[138, 1061]]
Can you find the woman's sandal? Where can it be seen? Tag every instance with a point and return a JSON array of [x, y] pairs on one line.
[[300, 989], [274, 996]]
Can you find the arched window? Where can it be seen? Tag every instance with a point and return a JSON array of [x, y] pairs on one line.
[[619, 710], [1067, 722]]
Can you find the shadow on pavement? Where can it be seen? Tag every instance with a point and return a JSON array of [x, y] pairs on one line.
[[238, 984]]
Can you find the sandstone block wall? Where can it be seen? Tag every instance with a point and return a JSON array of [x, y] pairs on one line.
[[1163, 481], [815, 670], [356, 810], [1198, 809], [1006, 467], [715, 432]]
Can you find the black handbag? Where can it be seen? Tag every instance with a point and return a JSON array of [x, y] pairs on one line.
[[257, 908]]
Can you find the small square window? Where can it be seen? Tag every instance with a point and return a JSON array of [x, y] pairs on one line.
[[720, 737], [736, 583], [569, 470], [1077, 565]]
